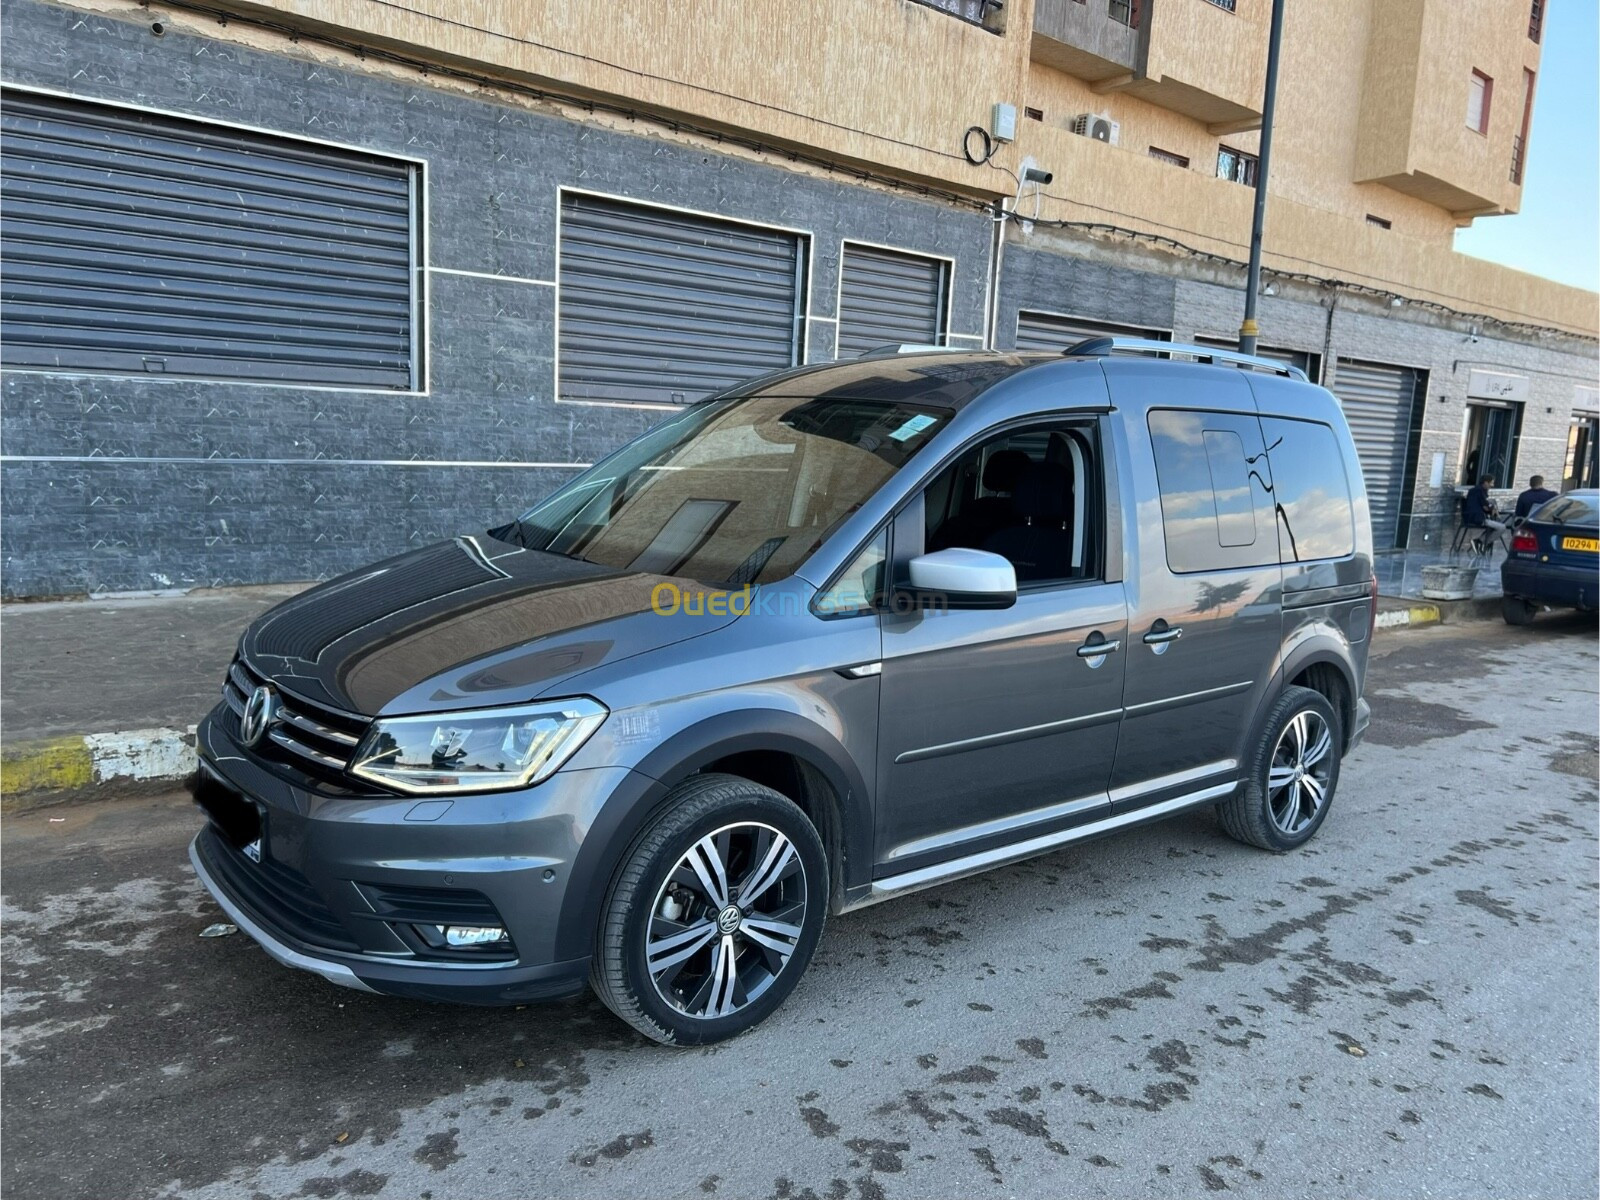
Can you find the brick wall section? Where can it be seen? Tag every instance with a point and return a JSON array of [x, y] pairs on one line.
[[121, 484]]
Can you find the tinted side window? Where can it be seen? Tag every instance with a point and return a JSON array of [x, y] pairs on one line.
[[1311, 489], [1216, 511]]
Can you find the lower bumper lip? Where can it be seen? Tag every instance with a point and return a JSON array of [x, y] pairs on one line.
[[332, 972]]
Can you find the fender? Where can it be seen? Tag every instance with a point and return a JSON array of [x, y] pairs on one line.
[[627, 812], [1315, 646]]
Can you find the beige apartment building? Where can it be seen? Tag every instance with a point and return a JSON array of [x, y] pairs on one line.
[[290, 279]]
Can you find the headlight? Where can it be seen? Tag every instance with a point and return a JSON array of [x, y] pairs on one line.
[[478, 751]]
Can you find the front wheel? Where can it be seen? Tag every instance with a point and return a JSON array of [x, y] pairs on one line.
[[714, 915], [1291, 776]]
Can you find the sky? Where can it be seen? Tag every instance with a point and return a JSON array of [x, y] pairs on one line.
[[1557, 233]]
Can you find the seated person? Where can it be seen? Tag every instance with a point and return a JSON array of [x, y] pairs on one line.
[[1536, 495], [1478, 508]]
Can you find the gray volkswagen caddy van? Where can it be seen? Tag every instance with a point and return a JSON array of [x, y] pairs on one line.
[[825, 639]]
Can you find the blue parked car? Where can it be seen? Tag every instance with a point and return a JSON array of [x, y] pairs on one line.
[[1555, 559]]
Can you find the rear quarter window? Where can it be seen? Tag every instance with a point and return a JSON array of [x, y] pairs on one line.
[[1310, 490], [1216, 511], [1568, 510]]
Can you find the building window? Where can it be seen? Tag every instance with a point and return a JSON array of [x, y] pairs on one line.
[[984, 13], [1490, 444], [1380, 222], [1480, 94], [1033, 114], [1519, 144], [1230, 5], [1583, 464], [140, 243], [1124, 12], [657, 306], [1167, 156], [1237, 165], [1536, 20]]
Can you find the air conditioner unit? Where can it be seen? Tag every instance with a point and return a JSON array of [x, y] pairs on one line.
[[1096, 126]]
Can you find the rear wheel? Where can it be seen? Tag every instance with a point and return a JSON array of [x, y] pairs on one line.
[[1518, 611], [1290, 779], [714, 915]]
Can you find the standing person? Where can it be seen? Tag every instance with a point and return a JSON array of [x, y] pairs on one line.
[[1536, 495], [1478, 510]]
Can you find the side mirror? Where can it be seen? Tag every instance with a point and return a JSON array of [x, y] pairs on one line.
[[961, 578]]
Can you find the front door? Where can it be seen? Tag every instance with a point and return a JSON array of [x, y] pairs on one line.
[[996, 726]]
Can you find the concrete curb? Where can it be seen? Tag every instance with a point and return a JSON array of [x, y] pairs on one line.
[[56, 770], [1411, 616], [1397, 612]]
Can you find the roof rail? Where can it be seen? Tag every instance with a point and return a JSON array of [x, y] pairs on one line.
[[897, 348], [1096, 347]]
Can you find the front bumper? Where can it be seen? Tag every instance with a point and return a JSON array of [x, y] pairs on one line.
[[338, 883]]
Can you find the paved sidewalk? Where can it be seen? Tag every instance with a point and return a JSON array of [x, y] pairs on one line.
[[107, 692], [1400, 574], [75, 667]]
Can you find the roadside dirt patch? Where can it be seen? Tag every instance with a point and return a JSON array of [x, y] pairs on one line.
[[1579, 755], [1403, 721]]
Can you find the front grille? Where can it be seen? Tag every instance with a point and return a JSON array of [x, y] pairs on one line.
[[310, 735], [276, 893]]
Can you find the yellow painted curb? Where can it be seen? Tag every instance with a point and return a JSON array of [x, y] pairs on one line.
[[56, 765]]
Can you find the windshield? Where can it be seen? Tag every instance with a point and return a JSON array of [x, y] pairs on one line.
[[731, 491]]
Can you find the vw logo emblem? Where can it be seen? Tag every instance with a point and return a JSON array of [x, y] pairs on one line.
[[259, 713], [728, 919]]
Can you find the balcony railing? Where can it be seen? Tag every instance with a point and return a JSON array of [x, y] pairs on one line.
[[1124, 12], [974, 12], [1516, 159]]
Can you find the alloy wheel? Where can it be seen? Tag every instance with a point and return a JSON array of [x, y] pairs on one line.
[[726, 920], [1297, 781]]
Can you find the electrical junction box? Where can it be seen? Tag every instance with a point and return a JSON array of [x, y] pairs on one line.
[[1003, 123]]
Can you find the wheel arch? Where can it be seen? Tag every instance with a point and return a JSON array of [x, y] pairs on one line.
[[777, 749], [1324, 665]]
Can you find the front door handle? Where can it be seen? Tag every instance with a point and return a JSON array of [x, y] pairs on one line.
[[1098, 649], [1161, 634]]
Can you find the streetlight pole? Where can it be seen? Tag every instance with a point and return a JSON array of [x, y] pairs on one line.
[[1248, 329]]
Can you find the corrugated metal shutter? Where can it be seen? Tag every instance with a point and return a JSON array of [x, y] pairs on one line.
[[136, 242], [1377, 404], [886, 298], [666, 307], [1045, 331]]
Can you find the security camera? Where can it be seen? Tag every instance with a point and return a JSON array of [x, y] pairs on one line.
[[1037, 175]]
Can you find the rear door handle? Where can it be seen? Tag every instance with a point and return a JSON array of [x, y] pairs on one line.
[[1098, 649], [1158, 637]]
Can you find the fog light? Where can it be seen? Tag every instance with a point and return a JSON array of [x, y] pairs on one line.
[[472, 935]]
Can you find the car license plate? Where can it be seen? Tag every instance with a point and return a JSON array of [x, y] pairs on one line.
[[1572, 543]]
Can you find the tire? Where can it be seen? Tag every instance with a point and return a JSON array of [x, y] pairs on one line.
[[1273, 807], [668, 887], [1518, 611]]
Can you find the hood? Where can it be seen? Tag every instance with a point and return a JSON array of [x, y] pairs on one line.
[[468, 623]]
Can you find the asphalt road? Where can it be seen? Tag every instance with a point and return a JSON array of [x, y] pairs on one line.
[[1404, 1008]]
